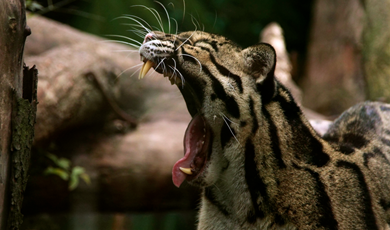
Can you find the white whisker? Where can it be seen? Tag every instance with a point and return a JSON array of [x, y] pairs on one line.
[[184, 41], [169, 21], [155, 28], [155, 14], [133, 25], [136, 20], [181, 75], [187, 55], [165, 70], [138, 33], [127, 51], [193, 22], [177, 26], [183, 81], [184, 9], [162, 61], [159, 19], [231, 131], [197, 25], [136, 26], [124, 37], [130, 69], [174, 62], [173, 74], [123, 42], [215, 20], [228, 118]]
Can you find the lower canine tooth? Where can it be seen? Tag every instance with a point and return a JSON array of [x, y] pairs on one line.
[[186, 170], [145, 69]]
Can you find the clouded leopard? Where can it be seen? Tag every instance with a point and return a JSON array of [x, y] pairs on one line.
[[260, 163]]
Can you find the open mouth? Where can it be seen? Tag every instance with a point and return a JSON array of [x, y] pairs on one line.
[[197, 139], [148, 64], [197, 142]]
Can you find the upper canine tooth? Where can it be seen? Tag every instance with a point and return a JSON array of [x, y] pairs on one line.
[[186, 170], [145, 69]]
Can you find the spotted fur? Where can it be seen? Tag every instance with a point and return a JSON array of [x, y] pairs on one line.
[[267, 167]]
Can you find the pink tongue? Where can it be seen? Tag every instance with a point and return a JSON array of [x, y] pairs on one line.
[[194, 142]]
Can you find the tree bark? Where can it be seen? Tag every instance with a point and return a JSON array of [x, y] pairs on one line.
[[17, 112]]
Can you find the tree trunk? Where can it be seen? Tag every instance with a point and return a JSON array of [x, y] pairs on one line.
[[334, 77], [376, 53], [17, 112], [348, 55]]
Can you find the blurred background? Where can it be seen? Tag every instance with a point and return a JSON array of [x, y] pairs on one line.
[[105, 142], [240, 21]]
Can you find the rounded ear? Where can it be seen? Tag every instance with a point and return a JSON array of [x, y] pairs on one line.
[[260, 61]]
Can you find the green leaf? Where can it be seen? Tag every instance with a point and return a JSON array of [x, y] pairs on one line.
[[85, 178], [52, 157], [63, 163], [73, 182], [78, 172], [60, 162], [58, 172]]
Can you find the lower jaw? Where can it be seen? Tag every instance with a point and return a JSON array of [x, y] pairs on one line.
[[199, 181]]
